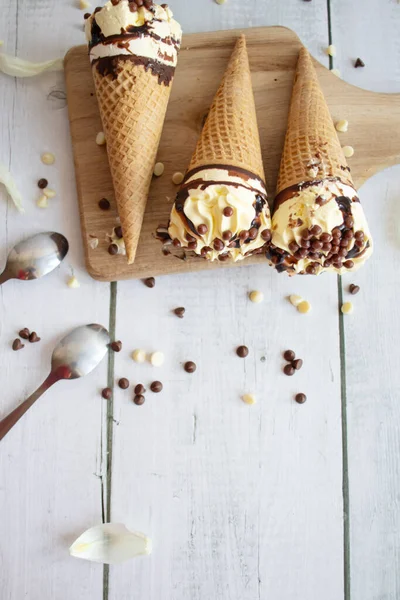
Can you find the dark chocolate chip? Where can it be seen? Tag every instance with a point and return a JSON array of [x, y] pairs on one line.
[[104, 204], [33, 338], [139, 400], [228, 211], [150, 282], [289, 370], [190, 367], [107, 393], [202, 229], [297, 364], [359, 63], [24, 333], [118, 232], [116, 346], [179, 312], [289, 355], [17, 344], [156, 387], [123, 383], [113, 249], [242, 351], [42, 183], [300, 398], [139, 389], [354, 289]]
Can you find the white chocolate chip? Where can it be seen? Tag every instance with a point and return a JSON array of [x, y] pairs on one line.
[[347, 308], [48, 158], [100, 138], [43, 202], [295, 300], [177, 178], [331, 50], [342, 126], [304, 307], [249, 399], [93, 243], [348, 151], [256, 297], [157, 359], [159, 169], [139, 356], [49, 193], [73, 283], [83, 4], [336, 72]]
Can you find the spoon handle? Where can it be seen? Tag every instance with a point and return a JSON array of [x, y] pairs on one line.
[[8, 422]]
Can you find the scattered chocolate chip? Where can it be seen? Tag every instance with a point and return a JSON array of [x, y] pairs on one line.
[[266, 235], [227, 235], [156, 387], [359, 63], [353, 289], [190, 367], [113, 249], [180, 312], [123, 383], [218, 245], [139, 389], [139, 400], [104, 204], [33, 338], [42, 183], [202, 229], [228, 211], [116, 346], [289, 370], [17, 344], [24, 333], [300, 398], [242, 351], [297, 364], [106, 393], [150, 282], [118, 232], [289, 355]]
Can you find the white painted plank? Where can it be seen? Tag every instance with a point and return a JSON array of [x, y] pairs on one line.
[[49, 463], [372, 333], [241, 502]]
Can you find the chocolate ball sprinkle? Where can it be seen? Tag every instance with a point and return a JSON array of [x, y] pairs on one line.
[[316, 230], [354, 289], [150, 282], [139, 400], [293, 247], [190, 366], [253, 233], [228, 211], [116, 346], [104, 204], [289, 355], [107, 393], [301, 398], [266, 235], [289, 370], [42, 183], [123, 383], [113, 249], [202, 229], [156, 387], [227, 235], [218, 245], [139, 389], [349, 264], [325, 237], [180, 312], [118, 232], [242, 351], [176, 243]]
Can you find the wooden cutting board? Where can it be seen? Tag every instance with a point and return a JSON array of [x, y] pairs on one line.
[[374, 132]]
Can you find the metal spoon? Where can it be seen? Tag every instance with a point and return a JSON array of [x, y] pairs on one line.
[[75, 356], [35, 257]]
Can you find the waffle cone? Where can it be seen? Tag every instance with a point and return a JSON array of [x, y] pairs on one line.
[[230, 134], [311, 137], [132, 107]]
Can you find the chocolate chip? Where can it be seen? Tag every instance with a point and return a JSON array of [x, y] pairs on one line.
[[113, 249], [156, 387], [139, 400], [150, 282], [104, 204], [300, 398], [293, 247], [190, 367], [297, 364], [179, 312], [42, 183], [118, 232], [266, 235], [176, 243], [289, 355], [242, 351], [227, 235], [139, 389], [106, 393], [33, 338], [228, 211], [218, 245], [202, 229], [354, 289], [24, 333], [17, 344], [349, 264], [116, 346], [289, 370], [359, 63], [123, 383], [316, 230], [253, 233]]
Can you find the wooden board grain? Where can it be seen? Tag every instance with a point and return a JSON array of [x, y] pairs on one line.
[[273, 54]]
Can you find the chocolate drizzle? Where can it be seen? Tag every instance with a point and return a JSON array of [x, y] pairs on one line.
[[111, 65]]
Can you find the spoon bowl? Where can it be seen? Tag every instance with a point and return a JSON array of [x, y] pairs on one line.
[[35, 257]]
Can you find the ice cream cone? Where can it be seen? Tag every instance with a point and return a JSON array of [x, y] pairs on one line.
[[230, 134], [312, 148]]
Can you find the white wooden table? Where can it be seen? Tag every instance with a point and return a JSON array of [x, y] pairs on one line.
[[272, 502]]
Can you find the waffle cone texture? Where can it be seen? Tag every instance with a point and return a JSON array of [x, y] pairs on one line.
[[132, 108], [311, 140], [230, 135]]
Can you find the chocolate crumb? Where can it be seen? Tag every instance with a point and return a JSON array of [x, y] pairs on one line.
[[150, 282], [353, 289], [33, 338], [300, 398], [42, 184], [289, 355], [180, 312], [104, 204], [24, 333], [359, 63], [242, 351], [139, 389], [139, 400], [17, 344], [156, 387], [190, 367], [106, 393], [116, 346], [123, 383]]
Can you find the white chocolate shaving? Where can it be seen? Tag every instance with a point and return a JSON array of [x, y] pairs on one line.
[[18, 67]]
